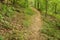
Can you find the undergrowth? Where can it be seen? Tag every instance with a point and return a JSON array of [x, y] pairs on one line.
[[1, 38], [51, 27], [7, 11]]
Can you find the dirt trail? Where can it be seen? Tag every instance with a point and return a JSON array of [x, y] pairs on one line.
[[35, 26]]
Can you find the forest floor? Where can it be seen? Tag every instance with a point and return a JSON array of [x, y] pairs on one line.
[[17, 28], [36, 26]]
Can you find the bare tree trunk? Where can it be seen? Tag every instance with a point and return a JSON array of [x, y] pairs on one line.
[[38, 4], [46, 7], [55, 8]]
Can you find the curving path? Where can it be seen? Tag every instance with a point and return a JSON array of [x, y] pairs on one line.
[[36, 25]]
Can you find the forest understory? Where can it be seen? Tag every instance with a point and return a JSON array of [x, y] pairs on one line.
[[29, 20]]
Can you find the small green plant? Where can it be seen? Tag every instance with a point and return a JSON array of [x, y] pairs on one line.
[[29, 11], [7, 10], [1, 38], [1, 17], [26, 23]]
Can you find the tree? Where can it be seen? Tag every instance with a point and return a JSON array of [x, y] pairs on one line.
[[46, 7], [37, 4]]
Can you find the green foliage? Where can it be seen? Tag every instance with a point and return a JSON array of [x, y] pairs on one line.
[[51, 28], [1, 17], [22, 3], [51, 5], [7, 11], [28, 13], [5, 24], [1, 38], [37, 4], [51, 25]]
